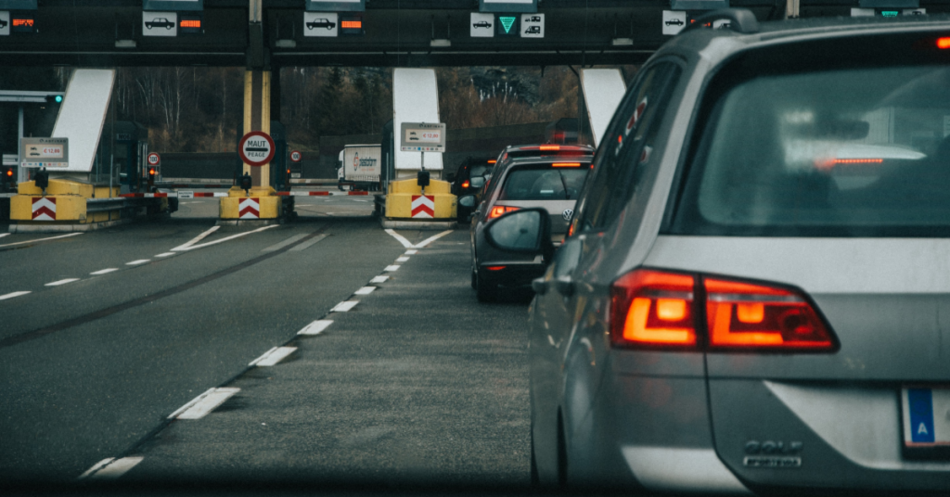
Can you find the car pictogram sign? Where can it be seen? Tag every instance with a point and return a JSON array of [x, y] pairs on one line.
[[256, 148]]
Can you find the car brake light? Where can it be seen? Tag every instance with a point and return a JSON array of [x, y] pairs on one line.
[[499, 210], [745, 315], [653, 308], [493, 161], [943, 43], [465, 184], [495, 268], [566, 164], [660, 309], [550, 147]]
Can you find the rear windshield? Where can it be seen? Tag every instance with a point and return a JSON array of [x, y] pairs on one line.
[[544, 183], [857, 152], [480, 170]]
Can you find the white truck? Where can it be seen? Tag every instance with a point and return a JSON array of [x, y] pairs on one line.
[[360, 166]]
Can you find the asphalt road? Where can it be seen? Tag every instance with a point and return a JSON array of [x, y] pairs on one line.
[[416, 383]]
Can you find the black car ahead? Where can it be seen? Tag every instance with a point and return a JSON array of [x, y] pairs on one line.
[[472, 167]]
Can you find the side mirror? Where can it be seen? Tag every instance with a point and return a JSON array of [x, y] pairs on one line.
[[477, 182], [525, 231], [467, 201]]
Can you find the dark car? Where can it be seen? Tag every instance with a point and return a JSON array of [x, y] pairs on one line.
[[159, 22], [321, 22], [675, 22], [3, 23], [482, 24], [478, 168], [753, 298], [550, 182]]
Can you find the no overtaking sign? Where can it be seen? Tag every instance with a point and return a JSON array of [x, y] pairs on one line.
[[256, 148]]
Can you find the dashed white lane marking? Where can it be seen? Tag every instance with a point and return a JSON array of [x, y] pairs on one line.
[[62, 282], [278, 246], [402, 259], [412, 252], [345, 306], [112, 468], [4, 234], [225, 239], [431, 239], [203, 404], [392, 268], [316, 327], [104, 271], [402, 239], [138, 262], [12, 295], [41, 239], [309, 243], [379, 279], [366, 290], [165, 254], [197, 238], [273, 356]]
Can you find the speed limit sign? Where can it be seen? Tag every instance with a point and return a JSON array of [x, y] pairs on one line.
[[154, 159], [295, 156]]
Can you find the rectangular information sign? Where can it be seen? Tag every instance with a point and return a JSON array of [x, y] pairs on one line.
[[44, 152], [507, 5], [422, 137], [335, 5], [17, 4], [173, 5]]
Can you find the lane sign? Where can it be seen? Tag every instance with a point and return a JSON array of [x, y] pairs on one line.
[[532, 25], [154, 159], [295, 156], [5, 23], [323, 24], [422, 137], [256, 148], [508, 25], [482, 25], [673, 21], [159, 23]]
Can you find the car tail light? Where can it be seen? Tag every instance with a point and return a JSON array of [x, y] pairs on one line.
[[653, 308], [660, 309], [566, 164], [495, 268], [493, 161], [744, 315], [943, 43], [465, 184], [550, 147], [498, 210]]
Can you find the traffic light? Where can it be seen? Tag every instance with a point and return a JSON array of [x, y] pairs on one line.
[[151, 176], [41, 179], [7, 177], [246, 183], [54, 99]]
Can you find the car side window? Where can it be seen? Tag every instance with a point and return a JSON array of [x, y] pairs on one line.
[[627, 147]]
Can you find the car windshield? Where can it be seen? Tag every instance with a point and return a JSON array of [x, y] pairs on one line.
[[544, 183], [860, 152], [480, 171]]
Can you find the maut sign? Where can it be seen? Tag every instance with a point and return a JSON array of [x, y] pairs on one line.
[[44, 152], [256, 148]]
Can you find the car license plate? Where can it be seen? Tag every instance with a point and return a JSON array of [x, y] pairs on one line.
[[926, 418]]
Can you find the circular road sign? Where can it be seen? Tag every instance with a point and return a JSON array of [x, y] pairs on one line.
[[295, 156], [256, 148], [154, 159]]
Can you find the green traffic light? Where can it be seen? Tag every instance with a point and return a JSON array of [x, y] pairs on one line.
[[890, 13], [59, 99]]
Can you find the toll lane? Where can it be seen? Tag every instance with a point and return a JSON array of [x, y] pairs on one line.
[[103, 380]]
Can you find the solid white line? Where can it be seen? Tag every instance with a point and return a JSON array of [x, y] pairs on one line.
[[278, 246], [136, 263], [225, 239], [203, 404], [41, 239], [392, 268], [165, 254], [379, 279], [316, 327], [402, 239], [432, 239], [345, 306], [197, 238], [116, 468], [104, 271], [62, 282], [12, 295], [308, 243], [402, 259], [96, 467], [366, 290], [412, 252], [273, 356], [4, 234]]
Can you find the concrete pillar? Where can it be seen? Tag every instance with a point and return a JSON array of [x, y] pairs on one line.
[[257, 115]]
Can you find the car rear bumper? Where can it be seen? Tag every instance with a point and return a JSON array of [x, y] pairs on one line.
[[511, 274]]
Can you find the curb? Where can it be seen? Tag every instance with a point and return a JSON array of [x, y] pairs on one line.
[[65, 228], [407, 224]]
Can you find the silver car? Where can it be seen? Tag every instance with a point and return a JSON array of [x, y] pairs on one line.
[[755, 295]]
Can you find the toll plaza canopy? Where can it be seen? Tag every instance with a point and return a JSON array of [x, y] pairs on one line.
[[404, 33]]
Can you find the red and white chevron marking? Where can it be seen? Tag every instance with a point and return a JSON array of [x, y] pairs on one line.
[[249, 208], [44, 208], [423, 207]]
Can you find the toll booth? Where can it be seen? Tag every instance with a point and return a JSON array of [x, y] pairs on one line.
[[129, 156]]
